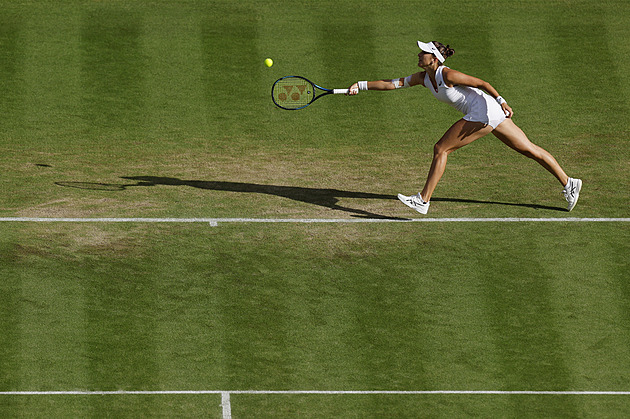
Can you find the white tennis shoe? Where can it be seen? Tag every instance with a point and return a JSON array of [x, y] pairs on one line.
[[416, 202], [572, 192]]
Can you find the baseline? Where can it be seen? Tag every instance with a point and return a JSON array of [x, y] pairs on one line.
[[215, 221], [225, 393]]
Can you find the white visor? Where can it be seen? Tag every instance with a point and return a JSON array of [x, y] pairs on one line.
[[431, 49]]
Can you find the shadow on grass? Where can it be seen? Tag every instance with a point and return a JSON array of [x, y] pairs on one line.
[[323, 197], [510, 204]]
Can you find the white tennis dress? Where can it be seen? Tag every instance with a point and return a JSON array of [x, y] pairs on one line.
[[475, 104]]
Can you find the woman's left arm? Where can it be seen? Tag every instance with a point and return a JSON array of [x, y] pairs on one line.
[[453, 77]]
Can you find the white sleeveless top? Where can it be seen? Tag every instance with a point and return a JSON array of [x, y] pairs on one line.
[[475, 104]]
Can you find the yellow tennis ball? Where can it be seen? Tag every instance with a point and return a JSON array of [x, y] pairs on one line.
[[268, 62]]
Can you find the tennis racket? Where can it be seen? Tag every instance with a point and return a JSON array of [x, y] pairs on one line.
[[296, 92]]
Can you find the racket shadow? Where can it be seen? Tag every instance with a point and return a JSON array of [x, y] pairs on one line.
[[323, 197]]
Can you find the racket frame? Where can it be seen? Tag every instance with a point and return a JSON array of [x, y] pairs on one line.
[[316, 89]]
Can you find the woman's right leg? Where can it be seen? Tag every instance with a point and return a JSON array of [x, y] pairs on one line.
[[460, 134]]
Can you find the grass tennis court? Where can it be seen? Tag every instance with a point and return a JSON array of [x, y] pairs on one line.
[[162, 109]]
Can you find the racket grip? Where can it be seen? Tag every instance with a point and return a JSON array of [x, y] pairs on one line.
[[340, 91]]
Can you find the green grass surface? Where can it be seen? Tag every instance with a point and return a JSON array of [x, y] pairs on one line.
[[163, 109]]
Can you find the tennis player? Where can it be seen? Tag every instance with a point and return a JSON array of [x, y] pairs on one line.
[[484, 111]]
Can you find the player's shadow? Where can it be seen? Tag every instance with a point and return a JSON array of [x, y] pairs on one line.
[[327, 198], [509, 204], [322, 197]]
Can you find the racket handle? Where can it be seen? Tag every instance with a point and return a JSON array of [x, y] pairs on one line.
[[340, 91]]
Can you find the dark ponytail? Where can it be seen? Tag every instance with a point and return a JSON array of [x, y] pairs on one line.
[[446, 51]]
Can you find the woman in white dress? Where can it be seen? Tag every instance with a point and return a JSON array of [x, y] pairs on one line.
[[484, 111]]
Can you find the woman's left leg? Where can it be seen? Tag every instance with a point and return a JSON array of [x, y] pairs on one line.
[[515, 138]]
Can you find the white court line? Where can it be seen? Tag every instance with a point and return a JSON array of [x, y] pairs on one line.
[[225, 400], [215, 221], [226, 405]]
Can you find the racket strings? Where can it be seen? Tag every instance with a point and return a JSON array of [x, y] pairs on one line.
[[292, 92]]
